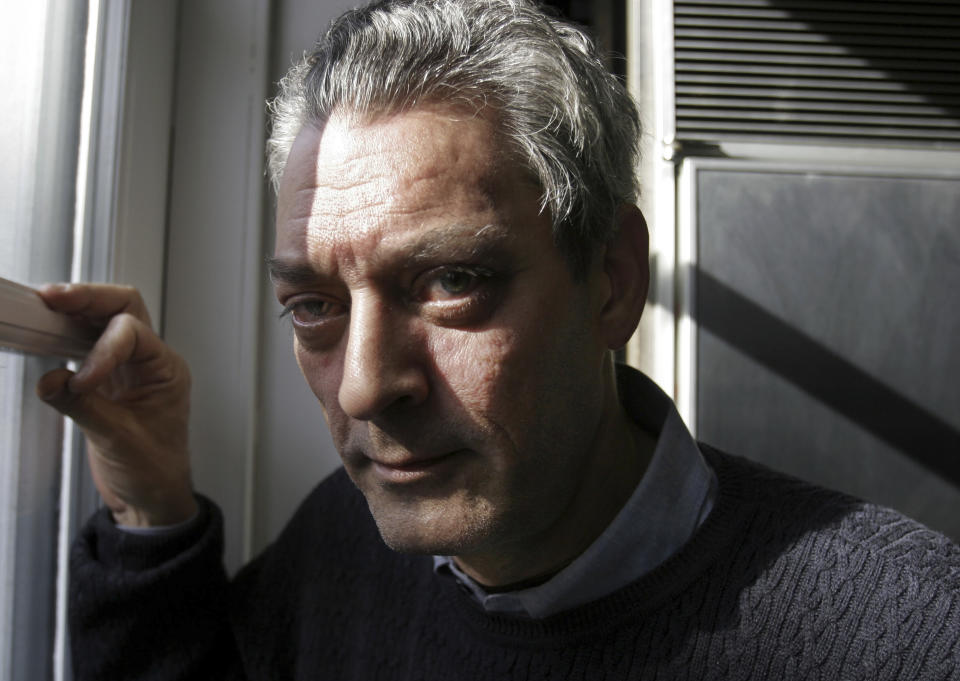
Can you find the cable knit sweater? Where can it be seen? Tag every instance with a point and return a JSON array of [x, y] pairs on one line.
[[783, 581]]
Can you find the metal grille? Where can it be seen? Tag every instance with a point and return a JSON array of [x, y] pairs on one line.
[[873, 71]]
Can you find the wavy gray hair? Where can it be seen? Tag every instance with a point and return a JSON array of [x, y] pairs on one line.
[[568, 120]]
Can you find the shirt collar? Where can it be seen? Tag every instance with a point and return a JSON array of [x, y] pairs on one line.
[[672, 499]]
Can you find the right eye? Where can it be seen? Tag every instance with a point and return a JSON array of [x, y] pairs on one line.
[[313, 311]]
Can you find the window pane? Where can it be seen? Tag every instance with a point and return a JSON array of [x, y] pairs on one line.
[[42, 81]]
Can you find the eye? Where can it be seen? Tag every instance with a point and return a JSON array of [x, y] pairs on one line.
[[457, 295], [457, 282], [312, 311], [449, 283]]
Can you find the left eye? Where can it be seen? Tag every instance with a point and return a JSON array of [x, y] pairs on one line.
[[452, 283], [457, 282], [457, 295]]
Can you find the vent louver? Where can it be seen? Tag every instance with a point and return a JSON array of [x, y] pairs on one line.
[[871, 71]]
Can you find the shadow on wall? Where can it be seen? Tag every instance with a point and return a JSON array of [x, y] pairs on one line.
[[828, 377]]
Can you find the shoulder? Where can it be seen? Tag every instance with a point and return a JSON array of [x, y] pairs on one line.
[[845, 522], [879, 590]]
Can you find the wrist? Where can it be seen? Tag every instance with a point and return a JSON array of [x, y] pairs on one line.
[[172, 510]]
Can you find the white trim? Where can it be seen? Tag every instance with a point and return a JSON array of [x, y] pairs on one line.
[[884, 163], [68, 473], [665, 190], [665, 82], [87, 107], [95, 229], [11, 401], [900, 158], [120, 216], [142, 156], [70, 452], [686, 338], [47, 52], [650, 78]]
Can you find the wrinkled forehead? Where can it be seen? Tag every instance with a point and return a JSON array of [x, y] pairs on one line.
[[349, 150], [366, 181], [343, 133], [389, 165]]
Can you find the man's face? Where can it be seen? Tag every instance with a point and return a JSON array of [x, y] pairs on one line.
[[458, 363]]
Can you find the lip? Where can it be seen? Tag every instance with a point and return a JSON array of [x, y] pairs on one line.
[[413, 469]]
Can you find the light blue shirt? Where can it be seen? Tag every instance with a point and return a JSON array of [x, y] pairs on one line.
[[673, 498]]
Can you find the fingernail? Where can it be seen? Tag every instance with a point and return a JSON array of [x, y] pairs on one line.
[[52, 287], [49, 393]]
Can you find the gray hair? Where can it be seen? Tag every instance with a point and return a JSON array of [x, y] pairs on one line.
[[568, 120]]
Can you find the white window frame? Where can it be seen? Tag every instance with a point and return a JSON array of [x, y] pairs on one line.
[[122, 197], [119, 235], [31, 467]]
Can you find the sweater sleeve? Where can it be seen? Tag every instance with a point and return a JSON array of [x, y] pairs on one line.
[[151, 607]]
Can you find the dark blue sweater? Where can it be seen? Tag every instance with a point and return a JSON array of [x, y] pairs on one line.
[[783, 581]]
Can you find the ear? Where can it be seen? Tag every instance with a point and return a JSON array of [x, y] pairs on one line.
[[626, 265]]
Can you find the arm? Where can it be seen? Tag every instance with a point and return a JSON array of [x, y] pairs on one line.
[[141, 607], [151, 606]]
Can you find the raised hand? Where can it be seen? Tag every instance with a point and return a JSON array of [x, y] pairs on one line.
[[131, 398]]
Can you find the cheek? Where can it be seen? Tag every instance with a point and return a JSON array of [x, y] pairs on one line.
[[484, 370], [535, 376], [322, 371]]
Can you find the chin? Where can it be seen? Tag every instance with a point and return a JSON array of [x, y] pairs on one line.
[[432, 527]]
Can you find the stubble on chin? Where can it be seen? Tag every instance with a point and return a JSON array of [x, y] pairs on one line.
[[433, 526]]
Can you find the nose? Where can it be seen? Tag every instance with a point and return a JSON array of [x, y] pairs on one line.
[[382, 365]]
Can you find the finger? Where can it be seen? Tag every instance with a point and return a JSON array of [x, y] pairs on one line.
[[95, 302], [126, 340]]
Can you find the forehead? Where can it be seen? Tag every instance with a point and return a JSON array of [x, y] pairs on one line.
[[361, 186]]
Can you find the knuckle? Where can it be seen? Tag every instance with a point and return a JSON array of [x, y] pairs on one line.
[[114, 329], [132, 294], [119, 332], [123, 321], [135, 302]]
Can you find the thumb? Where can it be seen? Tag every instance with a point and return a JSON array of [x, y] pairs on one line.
[[52, 388]]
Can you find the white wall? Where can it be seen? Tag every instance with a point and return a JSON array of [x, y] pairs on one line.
[[214, 251], [294, 451], [258, 439]]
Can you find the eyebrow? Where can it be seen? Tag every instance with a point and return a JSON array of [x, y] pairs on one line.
[[455, 242], [292, 273]]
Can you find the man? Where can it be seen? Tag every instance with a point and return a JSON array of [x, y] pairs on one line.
[[458, 252]]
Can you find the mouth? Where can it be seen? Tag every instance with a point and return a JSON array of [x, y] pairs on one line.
[[411, 470]]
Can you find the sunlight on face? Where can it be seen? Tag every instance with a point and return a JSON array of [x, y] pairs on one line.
[[458, 363]]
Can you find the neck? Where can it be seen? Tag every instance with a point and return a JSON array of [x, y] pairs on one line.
[[621, 453]]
